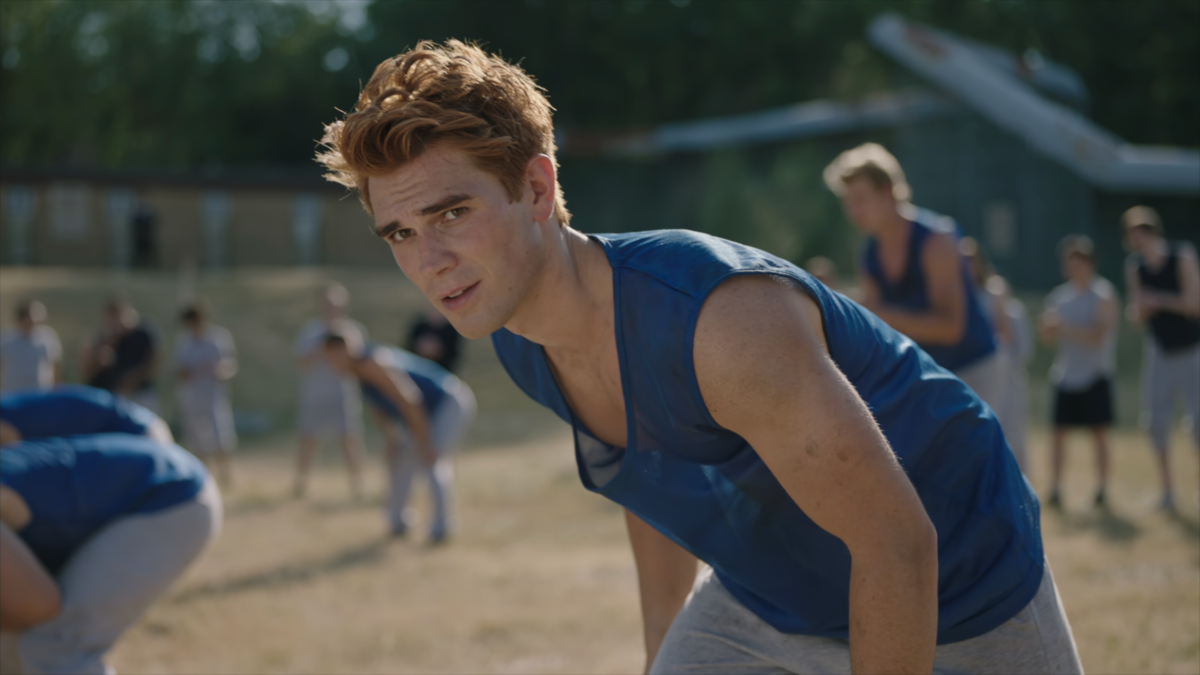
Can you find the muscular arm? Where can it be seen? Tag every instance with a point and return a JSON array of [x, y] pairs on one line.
[[1133, 287], [404, 394], [666, 573], [946, 319], [765, 373]]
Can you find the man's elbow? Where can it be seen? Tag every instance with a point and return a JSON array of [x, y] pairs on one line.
[[34, 611]]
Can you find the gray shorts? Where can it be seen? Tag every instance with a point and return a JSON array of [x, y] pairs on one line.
[[715, 634], [1165, 377], [111, 581]]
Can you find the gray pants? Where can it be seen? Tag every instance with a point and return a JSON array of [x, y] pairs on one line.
[[715, 634], [1164, 376], [447, 427], [111, 581]]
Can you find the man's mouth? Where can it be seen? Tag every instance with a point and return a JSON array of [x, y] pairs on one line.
[[459, 297]]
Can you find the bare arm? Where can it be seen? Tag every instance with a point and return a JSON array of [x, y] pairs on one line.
[[28, 594], [765, 373], [404, 394], [946, 319], [666, 573], [1133, 287], [1094, 334], [1187, 300]]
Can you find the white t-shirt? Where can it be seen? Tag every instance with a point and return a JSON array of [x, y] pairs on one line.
[[27, 361], [200, 355], [321, 381], [1077, 365]]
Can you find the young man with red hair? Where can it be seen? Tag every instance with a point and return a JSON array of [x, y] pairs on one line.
[[857, 504]]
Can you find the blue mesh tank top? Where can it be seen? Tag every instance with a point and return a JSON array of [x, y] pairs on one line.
[[910, 292], [75, 486], [71, 410], [705, 488], [432, 379]]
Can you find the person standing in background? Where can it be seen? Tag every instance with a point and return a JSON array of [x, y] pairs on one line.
[[30, 354], [1081, 319], [994, 296], [122, 357], [330, 401], [1163, 282], [205, 361], [911, 273], [824, 269], [433, 338]]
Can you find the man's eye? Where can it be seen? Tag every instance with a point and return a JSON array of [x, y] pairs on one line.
[[400, 235], [454, 214]]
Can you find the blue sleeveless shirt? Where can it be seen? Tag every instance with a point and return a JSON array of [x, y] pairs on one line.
[[911, 292], [432, 379], [71, 410], [75, 486], [706, 489]]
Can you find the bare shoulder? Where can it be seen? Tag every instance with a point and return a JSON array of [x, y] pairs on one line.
[[941, 248], [750, 329]]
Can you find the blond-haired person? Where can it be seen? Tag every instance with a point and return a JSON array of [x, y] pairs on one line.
[[911, 272], [739, 410]]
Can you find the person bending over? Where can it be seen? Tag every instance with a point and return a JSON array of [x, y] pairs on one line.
[[405, 390], [911, 272], [93, 529], [71, 410], [857, 505]]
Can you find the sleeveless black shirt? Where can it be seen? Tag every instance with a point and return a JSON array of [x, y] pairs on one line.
[[1172, 331]]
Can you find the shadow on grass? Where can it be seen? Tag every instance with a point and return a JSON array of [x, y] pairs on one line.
[[256, 503], [1186, 525], [1111, 525], [289, 574]]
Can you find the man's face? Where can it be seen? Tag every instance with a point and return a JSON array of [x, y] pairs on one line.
[[451, 228], [1140, 239], [867, 206], [1078, 269]]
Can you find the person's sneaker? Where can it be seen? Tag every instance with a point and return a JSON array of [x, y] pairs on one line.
[[1100, 501], [1054, 501], [399, 531], [439, 538]]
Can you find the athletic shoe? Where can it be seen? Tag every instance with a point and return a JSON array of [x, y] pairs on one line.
[[1100, 502], [1166, 503]]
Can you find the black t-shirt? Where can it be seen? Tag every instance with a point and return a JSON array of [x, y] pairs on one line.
[[132, 350], [445, 335], [1172, 331]]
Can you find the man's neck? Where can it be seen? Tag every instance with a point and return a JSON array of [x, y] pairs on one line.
[[894, 231], [570, 308]]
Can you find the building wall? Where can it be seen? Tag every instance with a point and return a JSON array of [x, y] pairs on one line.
[[75, 224]]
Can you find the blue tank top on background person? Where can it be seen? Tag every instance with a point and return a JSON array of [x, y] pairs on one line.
[[432, 379], [706, 489], [75, 486], [911, 292], [71, 410]]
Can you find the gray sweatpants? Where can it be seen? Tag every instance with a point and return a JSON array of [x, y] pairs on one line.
[[447, 427], [1163, 377], [715, 634], [111, 581]]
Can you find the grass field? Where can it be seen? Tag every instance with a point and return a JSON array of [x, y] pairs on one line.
[[539, 578]]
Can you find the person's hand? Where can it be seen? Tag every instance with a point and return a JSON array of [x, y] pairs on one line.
[[428, 456], [1148, 303], [1048, 325]]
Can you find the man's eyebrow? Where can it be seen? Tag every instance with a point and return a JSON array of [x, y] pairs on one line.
[[447, 202], [444, 203]]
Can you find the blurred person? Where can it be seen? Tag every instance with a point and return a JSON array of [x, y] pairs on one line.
[[1163, 281], [1080, 319], [405, 390], [122, 356], [93, 529], [993, 295], [30, 354], [1019, 352], [911, 273], [73, 410], [205, 361], [824, 270], [433, 337], [330, 402], [740, 412]]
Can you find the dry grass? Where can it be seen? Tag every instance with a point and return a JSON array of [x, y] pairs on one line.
[[539, 579]]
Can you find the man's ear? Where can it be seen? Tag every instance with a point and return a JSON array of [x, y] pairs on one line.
[[542, 179]]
